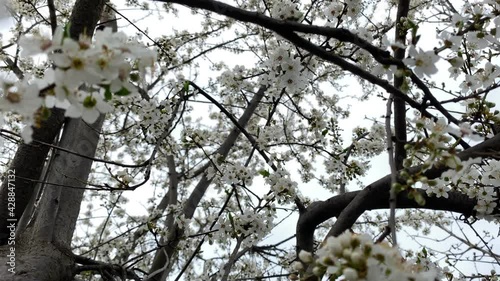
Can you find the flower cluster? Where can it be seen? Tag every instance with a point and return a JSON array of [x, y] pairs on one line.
[[286, 10], [268, 135], [435, 146], [281, 184], [372, 144], [483, 78], [21, 98], [477, 184], [235, 174], [343, 171], [463, 175], [104, 66], [289, 73], [124, 178], [354, 8], [233, 79], [333, 12], [336, 11], [358, 258], [246, 224]]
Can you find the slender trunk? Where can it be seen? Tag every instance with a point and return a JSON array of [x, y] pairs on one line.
[[161, 266]]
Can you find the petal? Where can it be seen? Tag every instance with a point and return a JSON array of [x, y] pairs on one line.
[[90, 115], [73, 111], [27, 133]]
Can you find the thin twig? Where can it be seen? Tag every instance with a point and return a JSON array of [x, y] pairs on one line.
[[394, 171]]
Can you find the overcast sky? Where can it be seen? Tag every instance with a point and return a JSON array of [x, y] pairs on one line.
[[373, 108]]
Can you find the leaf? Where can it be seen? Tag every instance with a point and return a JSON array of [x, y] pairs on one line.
[[122, 92], [45, 113], [415, 40], [231, 219], [134, 76], [264, 173], [151, 225], [107, 93], [424, 251], [66, 33], [417, 197], [411, 24]]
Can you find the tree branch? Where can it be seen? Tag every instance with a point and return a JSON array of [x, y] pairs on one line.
[[287, 30], [174, 235], [349, 206]]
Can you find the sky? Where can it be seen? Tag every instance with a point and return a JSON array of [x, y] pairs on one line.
[[3, 10]]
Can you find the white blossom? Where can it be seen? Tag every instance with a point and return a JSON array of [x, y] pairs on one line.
[[422, 62]]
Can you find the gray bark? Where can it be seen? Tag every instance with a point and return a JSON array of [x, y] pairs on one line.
[[30, 159], [42, 249]]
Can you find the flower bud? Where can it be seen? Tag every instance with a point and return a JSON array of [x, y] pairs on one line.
[[305, 256]]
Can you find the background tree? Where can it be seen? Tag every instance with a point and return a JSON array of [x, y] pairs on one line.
[[238, 120]]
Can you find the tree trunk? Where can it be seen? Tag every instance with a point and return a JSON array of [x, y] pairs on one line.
[[42, 252]]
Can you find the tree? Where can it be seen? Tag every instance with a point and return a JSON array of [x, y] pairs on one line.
[[224, 153]]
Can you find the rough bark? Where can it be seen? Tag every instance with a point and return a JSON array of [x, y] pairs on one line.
[[399, 104], [29, 159], [28, 163], [42, 250], [58, 209]]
